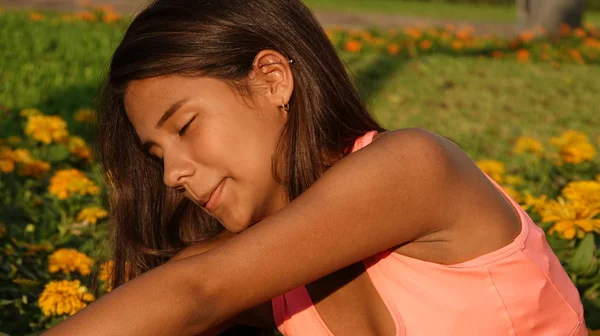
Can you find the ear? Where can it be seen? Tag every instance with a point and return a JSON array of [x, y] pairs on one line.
[[271, 71]]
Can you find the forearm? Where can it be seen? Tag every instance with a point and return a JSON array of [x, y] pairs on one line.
[[161, 302]]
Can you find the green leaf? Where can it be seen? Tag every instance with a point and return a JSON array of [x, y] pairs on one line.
[[57, 153], [583, 260]]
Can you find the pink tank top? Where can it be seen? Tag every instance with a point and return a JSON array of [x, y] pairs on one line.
[[519, 289]]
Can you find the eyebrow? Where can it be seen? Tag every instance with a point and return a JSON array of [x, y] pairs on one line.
[[170, 112]]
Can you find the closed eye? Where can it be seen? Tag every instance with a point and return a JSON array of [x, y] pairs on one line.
[[183, 130]]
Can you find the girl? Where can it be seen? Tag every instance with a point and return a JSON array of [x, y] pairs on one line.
[[233, 123]]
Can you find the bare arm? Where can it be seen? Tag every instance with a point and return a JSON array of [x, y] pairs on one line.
[[393, 191]]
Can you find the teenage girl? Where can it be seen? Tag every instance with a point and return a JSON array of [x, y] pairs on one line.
[[233, 125]]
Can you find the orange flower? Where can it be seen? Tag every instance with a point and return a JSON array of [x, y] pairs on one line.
[[464, 33], [564, 30], [497, 54], [413, 33], [426, 44], [36, 17], [67, 17], [85, 16], [457, 45], [576, 55], [393, 49], [450, 28], [580, 32], [523, 55], [526, 36], [353, 46], [111, 17]]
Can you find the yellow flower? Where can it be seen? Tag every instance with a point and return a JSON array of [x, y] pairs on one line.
[[85, 115], [106, 270], [69, 260], [514, 180], [91, 214], [64, 297], [21, 155], [34, 168], [584, 191], [513, 193], [571, 218], [30, 112], [495, 169], [79, 148], [528, 145], [577, 152], [66, 182], [46, 128], [537, 203], [7, 160], [569, 137]]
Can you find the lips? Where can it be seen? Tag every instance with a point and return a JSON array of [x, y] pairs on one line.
[[210, 203]]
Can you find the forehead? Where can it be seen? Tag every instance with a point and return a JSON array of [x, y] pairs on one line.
[[147, 99]]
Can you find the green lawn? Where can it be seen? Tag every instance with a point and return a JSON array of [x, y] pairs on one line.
[[483, 104], [437, 10]]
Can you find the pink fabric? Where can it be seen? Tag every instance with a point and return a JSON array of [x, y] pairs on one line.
[[519, 289]]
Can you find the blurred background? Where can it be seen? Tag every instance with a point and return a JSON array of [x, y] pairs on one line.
[[513, 82]]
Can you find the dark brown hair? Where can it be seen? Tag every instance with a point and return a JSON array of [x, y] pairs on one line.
[[218, 39]]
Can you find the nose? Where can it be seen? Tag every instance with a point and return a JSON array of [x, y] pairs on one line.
[[177, 168]]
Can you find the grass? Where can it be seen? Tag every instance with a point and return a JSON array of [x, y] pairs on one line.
[[483, 104], [435, 10]]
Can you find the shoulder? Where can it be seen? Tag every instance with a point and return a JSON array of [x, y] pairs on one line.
[[419, 148]]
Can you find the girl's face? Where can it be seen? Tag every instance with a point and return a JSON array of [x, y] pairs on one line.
[[215, 145]]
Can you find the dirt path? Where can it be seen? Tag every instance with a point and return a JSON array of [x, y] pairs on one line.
[[341, 19]]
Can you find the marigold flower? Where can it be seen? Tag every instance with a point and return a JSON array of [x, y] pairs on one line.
[[7, 159], [64, 297], [426, 44], [22, 155], [585, 191], [523, 55], [497, 54], [66, 182], [69, 260], [46, 128], [353, 46], [514, 180], [526, 144], [36, 17], [34, 168], [91, 214], [79, 148], [571, 218], [577, 152], [536, 203], [106, 270], [494, 169], [30, 112], [568, 137], [85, 115], [457, 45], [85, 16], [393, 49], [513, 193], [413, 33], [526, 36], [106, 273]]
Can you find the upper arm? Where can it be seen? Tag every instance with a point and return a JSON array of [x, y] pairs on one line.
[[393, 191]]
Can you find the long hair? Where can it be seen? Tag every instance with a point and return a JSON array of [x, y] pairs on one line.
[[218, 39]]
